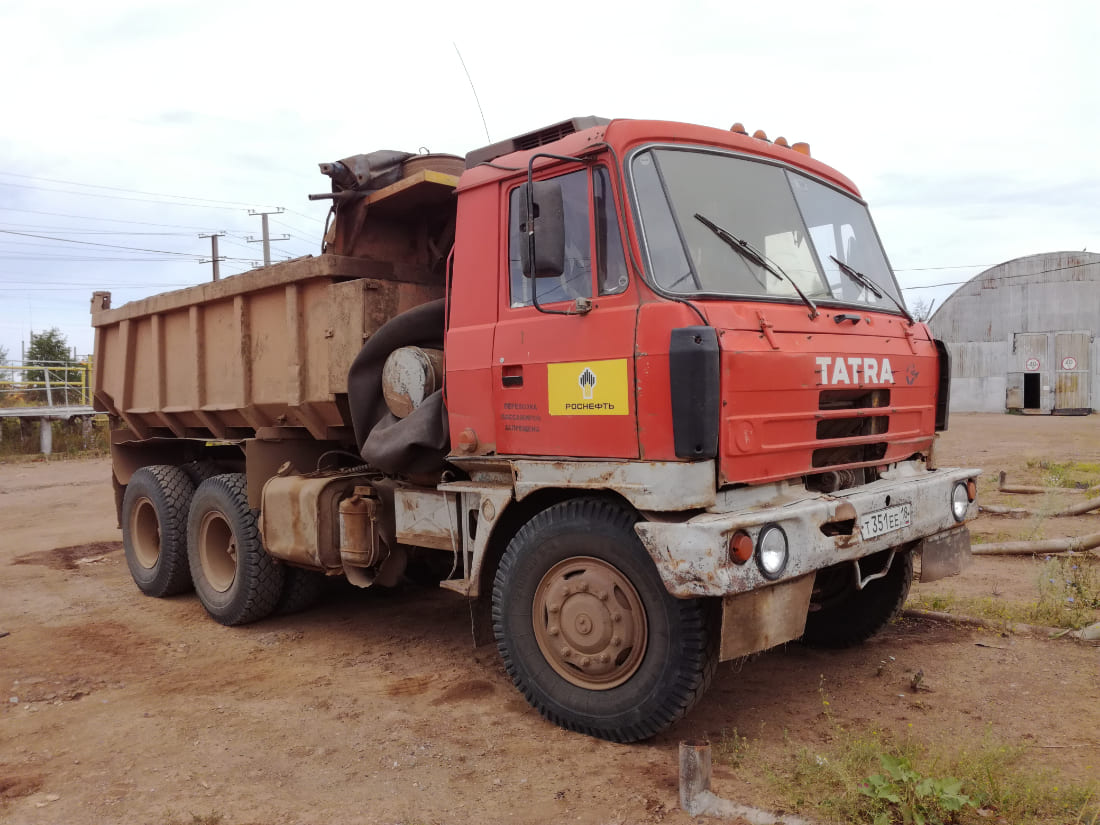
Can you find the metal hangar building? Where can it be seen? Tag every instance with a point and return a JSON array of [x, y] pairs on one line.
[[1022, 336]]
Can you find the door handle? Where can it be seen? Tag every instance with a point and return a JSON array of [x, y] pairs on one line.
[[511, 375]]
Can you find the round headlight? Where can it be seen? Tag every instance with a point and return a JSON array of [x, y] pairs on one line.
[[772, 552], [959, 501]]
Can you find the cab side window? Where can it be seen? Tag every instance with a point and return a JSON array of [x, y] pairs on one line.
[[583, 196]]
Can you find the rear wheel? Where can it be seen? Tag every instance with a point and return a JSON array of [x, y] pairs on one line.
[[587, 630], [154, 529], [235, 579], [301, 590], [841, 615]]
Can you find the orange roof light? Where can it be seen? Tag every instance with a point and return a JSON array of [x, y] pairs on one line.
[[739, 128], [760, 135], [804, 148], [781, 141]]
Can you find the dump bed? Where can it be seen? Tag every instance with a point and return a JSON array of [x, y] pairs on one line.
[[269, 348]]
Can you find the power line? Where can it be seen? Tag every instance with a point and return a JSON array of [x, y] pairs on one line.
[[72, 230], [119, 197], [304, 215], [1006, 277], [93, 243], [94, 218], [115, 189]]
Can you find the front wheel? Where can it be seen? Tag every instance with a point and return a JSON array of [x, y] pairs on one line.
[[587, 630], [235, 579], [841, 615]]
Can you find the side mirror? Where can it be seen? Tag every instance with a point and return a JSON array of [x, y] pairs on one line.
[[542, 252]]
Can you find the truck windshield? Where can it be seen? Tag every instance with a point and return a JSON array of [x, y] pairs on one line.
[[800, 225]]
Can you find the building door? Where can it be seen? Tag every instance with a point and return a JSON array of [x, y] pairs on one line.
[[1071, 363], [1026, 391]]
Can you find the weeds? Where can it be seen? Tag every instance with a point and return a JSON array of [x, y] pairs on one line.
[[873, 777], [916, 799], [1069, 589], [731, 748], [21, 437], [1067, 595], [1071, 474]]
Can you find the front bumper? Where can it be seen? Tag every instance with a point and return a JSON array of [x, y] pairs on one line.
[[692, 556]]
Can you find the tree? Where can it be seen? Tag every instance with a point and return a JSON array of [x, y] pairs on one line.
[[51, 350], [922, 308]]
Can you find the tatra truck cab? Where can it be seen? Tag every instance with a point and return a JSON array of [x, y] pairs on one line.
[[646, 393]]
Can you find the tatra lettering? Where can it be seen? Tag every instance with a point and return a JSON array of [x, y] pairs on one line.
[[847, 370], [870, 370]]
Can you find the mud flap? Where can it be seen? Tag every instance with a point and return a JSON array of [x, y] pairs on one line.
[[944, 554], [764, 618]]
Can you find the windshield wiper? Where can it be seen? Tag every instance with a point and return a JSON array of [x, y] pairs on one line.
[[751, 253], [871, 286]]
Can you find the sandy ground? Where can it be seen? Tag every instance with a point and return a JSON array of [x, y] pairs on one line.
[[375, 707]]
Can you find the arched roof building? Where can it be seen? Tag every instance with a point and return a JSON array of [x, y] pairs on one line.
[[1023, 336]]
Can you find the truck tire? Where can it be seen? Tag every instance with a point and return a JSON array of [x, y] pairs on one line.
[[235, 579], [587, 630], [301, 590], [154, 529], [843, 616], [200, 470]]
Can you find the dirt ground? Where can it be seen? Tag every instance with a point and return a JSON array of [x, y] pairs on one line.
[[375, 708]]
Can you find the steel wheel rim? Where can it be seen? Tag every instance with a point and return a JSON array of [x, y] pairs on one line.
[[145, 533], [218, 551], [589, 623]]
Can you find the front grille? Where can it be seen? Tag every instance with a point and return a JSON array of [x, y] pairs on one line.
[[853, 454], [853, 399], [852, 427]]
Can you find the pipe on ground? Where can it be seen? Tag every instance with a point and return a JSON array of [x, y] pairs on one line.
[[1031, 548], [697, 799]]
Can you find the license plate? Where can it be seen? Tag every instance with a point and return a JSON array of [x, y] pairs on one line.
[[880, 522]]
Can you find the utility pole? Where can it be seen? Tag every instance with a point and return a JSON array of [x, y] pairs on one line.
[[267, 239], [214, 258]]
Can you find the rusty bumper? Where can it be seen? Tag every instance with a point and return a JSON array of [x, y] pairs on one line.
[[693, 557]]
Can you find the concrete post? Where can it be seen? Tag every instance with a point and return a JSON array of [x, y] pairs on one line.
[[45, 437]]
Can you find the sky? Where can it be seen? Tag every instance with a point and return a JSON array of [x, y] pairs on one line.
[[128, 129]]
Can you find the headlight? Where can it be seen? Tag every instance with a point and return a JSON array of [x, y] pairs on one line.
[[772, 551], [959, 501]]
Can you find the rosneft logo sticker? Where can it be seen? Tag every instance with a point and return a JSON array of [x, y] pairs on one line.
[[588, 388]]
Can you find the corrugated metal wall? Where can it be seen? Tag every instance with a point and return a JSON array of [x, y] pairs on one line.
[[1002, 330]]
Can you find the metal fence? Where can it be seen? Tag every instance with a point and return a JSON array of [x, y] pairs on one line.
[[45, 383]]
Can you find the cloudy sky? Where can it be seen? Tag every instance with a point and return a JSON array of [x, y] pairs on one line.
[[129, 128]]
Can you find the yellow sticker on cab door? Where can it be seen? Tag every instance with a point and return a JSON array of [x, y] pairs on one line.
[[588, 388]]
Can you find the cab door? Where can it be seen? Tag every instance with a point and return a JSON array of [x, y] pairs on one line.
[[563, 385]]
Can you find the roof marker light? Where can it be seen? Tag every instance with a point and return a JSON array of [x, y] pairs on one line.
[[759, 134], [804, 148], [739, 128], [781, 141]]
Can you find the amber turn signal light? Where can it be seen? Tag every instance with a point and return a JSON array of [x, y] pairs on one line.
[[971, 489], [740, 547]]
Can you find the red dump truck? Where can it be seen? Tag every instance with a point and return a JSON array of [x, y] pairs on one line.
[[646, 393]]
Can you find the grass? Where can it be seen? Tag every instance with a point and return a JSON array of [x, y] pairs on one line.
[[1067, 595], [1069, 474], [19, 438], [833, 781]]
